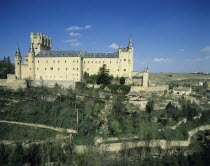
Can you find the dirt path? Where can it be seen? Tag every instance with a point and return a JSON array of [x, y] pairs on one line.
[[58, 129]]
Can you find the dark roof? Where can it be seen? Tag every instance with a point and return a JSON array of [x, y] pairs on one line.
[[74, 53]]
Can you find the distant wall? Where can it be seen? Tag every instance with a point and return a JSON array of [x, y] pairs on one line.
[[151, 88], [12, 83], [51, 83]]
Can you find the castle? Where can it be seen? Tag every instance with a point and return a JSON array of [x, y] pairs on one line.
[[41, 63]]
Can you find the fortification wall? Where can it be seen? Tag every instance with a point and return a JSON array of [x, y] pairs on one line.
[[51, 83], [3, 82], [151, 88]]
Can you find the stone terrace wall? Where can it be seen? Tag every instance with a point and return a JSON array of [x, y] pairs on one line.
[[151, 88]]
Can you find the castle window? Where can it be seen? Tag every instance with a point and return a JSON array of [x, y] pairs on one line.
[[53, 61], [66, 68], [18, 63], [37, 68], [124, 69], [77, 68], [77, 61], [45, 68], [124, 59], [58, 68], [46, 61], [103, 62], [51, 68], [73, 68], [73, 61], [65, 61], [92, 61], [77, 74], [38, 61], [110, 62], [99, 61], [88, 61], [30, 68], [118, 70], [58, 61], [96, 61]]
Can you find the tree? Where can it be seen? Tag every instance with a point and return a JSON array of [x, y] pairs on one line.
[[17, 156], [103, 76], [6, 67], [122, 80], [150, 106]]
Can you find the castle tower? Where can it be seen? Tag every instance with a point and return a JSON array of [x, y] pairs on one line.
[[40, 42], [126, 60], [31, 62], [146, 77], [18, 59]]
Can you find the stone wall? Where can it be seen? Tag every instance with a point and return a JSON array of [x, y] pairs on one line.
[[52, 83], [151, 88]]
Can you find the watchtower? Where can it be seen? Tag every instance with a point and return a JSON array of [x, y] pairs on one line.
[[40, 42]]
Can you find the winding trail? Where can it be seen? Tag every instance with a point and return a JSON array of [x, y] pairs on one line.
[[58, 129]]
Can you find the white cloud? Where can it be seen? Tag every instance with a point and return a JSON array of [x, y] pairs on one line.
[[114, 46], [71, 40], [182, 49], [199, 59], [74, 34], [206, 49], [88, 27], [75, 44], [160, 60], [71, 28]]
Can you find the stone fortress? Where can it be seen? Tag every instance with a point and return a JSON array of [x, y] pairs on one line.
[[42, 63]]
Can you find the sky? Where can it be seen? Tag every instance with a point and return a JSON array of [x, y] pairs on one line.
[[168, 35]]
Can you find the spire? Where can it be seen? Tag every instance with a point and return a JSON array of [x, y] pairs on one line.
[[130, 44], [31, 48], [18, 51]]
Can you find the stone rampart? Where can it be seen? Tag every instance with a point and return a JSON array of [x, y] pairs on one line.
[[150, 88], [52, 83]]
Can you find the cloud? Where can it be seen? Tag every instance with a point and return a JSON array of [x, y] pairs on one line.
[[71, 40], [75, 44], [199, 59], [160, 60], [114, 46], [88, 27], [71, 28], [74, 34], [206, 49], [182, 49]]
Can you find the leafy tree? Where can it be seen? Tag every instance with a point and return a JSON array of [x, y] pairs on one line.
[[150, 106], [17, 156], [103, 76], [6, 67], [122, 80]]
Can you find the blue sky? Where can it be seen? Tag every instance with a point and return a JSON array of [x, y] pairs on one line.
[[168, 35]]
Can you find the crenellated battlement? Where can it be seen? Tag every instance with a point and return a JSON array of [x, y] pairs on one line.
[[40, 42]]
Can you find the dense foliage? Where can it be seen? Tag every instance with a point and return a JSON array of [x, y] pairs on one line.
[[6, 67]]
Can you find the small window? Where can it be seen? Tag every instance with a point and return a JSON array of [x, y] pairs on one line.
[[58, 61], [73, 61], [18, 63], [65, 61], [84, 61], [30, 68], [77, 61], [46, 61], [37, 68], [124, 59], [124, 69], [73, 68], [53, 61], [77, 68], [66, 68], [51, 68], [58, 68], [38, 61], [45, 68]]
